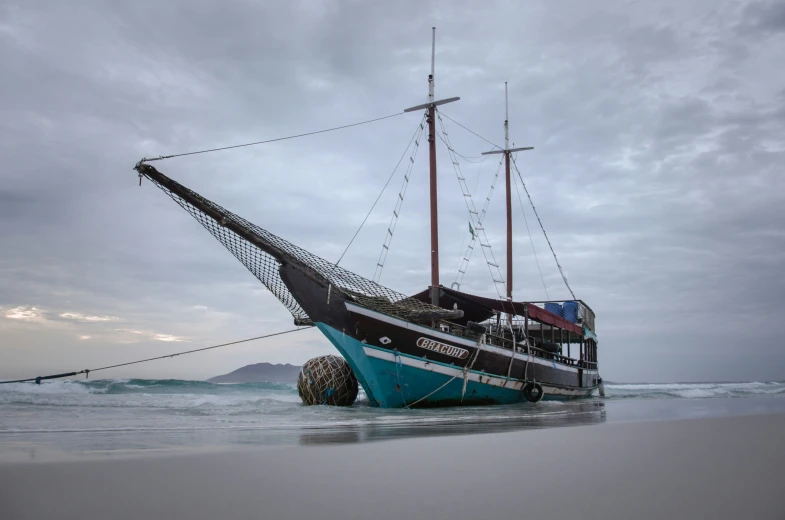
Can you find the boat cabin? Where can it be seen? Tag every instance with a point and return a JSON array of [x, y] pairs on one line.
[[552, 329]]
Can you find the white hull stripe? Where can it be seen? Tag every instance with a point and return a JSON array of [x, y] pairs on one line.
[[455, 339], [477, 377]]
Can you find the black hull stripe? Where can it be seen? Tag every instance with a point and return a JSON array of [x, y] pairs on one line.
[[356, 309]]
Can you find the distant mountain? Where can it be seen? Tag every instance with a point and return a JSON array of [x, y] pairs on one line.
[[260, 373]]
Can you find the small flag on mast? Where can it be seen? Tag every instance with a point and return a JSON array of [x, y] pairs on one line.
[[471, 229]]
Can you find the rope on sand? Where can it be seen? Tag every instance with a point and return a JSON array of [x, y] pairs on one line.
[[87, 371]]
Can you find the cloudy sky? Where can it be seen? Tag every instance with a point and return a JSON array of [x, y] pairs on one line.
[[659, 135]]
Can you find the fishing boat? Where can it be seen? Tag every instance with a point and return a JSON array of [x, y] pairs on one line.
[[440, 347]]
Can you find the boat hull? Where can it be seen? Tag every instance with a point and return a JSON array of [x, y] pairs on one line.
[[400, 363], [393, 379]]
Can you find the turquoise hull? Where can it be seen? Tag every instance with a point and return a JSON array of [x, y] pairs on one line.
[[390, 381]]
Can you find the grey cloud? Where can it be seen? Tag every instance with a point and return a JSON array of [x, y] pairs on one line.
[[657, 168], [762, 18]]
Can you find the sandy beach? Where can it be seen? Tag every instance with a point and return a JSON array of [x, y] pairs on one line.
[[728, 467]]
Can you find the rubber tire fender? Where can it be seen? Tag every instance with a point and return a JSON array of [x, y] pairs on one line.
[[533, 392]]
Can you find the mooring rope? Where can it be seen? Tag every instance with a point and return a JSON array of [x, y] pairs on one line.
[[87, 371], [162, 157], [398, 363], [468, 367], [465, 372]]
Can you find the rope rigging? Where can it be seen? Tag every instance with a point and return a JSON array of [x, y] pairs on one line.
[[398, 203], [526, 221], [464, 260], [480, 219], [264, 253], [162, 157], [87, 371], [413, 139], [558, 265], [472, 131], [477, 159], [478, 224], [561, 271]]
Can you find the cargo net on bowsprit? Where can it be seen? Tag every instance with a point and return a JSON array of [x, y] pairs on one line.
[[263, 253]]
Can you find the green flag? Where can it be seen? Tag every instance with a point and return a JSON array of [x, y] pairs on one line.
[[471, 229]]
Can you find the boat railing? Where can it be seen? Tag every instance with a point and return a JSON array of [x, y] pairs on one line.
[[559, 358], [520, 343], [581, 314]]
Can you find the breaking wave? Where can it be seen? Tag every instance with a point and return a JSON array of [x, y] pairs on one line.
[[693, 390], [171, 405]]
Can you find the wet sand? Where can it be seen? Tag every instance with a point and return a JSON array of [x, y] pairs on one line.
[[730, 467]]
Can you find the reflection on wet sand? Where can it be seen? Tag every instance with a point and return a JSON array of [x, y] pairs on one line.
[[522, 418]]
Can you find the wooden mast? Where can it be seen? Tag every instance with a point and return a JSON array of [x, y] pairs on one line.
[[509, 194], [507, 151], [430, 107], [432, 161]]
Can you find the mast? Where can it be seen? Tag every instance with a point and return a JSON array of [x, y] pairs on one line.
[[509, 194], [507, 151], [434, 197], [430, 107]]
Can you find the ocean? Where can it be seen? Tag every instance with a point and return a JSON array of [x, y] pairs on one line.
[[131, 414]]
